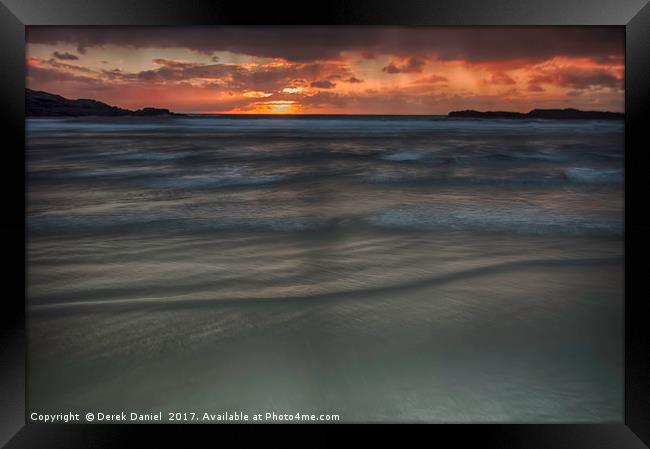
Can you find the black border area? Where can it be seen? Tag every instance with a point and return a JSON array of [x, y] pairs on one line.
[[633, 14]]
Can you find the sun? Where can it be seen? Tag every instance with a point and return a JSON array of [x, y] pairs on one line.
[[283, 107], [276, 107]]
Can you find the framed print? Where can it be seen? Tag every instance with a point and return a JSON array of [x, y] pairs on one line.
[[373, 213]]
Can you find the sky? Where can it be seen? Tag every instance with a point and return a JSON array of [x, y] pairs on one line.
[[332, 70]]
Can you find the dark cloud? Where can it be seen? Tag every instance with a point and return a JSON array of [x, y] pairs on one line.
[[303, 44], [176, 64], [150, 75], [228, 76], [49, 79], [65, 56], [177, 71], [391, 68], [69, 67], [45, 75], [353, 80], [617, 59], [323, 84], [326, 99], [112, 74], [412, 65], [500, 78], [535, 88], [579, 78]]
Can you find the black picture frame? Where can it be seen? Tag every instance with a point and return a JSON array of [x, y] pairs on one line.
[[634, 15]]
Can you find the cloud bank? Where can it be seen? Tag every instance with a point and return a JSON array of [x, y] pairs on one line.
[[331, 69]]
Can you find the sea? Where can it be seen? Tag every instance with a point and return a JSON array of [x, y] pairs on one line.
[[382, 268]]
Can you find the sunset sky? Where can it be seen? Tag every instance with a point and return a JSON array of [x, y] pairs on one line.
[[331, 70]]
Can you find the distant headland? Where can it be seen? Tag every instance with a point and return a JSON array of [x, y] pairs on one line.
[[44, 104], [556, 114]]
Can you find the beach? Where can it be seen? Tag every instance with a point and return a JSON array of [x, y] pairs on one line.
[[402, 269]]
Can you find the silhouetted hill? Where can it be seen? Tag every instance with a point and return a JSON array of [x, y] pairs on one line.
[[44, 104], [556, 114]]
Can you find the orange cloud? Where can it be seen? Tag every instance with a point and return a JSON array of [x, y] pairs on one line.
[[257, 94]]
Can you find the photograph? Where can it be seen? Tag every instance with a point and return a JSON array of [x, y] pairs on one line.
[[325, 224]]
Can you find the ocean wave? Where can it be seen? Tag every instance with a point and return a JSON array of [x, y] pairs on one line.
[[159, 223], [503, 179], [280, 224], [593, 176], [208, 181], [479, 219], [389, 178], [151, 156], [405, 156], [540, 156], [360, 293]]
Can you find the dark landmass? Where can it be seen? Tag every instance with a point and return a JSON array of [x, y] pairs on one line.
[[556, 114], [44, 104]]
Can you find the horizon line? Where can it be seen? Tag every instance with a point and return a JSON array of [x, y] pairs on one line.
[[391, 115], [329, 114]]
